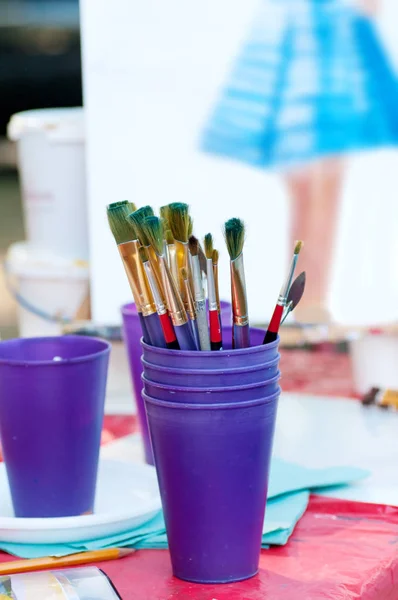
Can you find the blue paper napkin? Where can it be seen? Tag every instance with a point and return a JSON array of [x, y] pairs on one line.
[[288, 477], [288, 496], [282, 514]]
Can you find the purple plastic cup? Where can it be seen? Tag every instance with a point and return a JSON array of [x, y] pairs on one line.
[[208, 378], [52, 395], [258, 354], [132, 333], [212, 463], [220, 395]]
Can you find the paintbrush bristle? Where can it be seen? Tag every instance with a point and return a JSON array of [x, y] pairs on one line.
[[184, 273], [130, 205], [208, 243], [298, 247], [215, 257], [169, 237], [142, 251], [234, 233], [193, 245], [137, 218], [153, 230], [116, 204], [164, 214], [179, 221], [122, 229]]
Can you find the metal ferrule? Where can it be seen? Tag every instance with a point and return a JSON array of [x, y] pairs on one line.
[[166, 251], [191, 305], [211, 288], [286, 312], [215, 275], [137, 278], [172, 261], [176, 308], [286, 287], [199, 293], [182, 262], [238, 292], [154, 261], [160, 305]]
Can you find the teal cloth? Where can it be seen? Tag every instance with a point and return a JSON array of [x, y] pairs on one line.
[[289, 491]]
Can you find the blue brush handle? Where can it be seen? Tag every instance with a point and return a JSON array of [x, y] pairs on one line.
[[241, 336], [195, 332], [185, 337], [155, 333], [145, 333]]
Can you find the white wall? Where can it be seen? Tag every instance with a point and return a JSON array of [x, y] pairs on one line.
[[151, 71]]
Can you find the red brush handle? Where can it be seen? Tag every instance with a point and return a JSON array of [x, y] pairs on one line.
[[167, 328], [276, 318], [273, 327], [215, 327]]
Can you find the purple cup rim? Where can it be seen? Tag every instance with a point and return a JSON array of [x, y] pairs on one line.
[[240, 351], [105, 349], [129, 309], [233, 388], [218, 406], [252, 368]]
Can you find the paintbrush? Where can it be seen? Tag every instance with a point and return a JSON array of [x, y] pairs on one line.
[[202, 260], [119, 203], [200, 299], [234, 231], [59, 562], [190, 276], [137, 219], [273, 327], [215, 276], [179, 225], [191, 310], [295, 294], [164, 215], [214, 317], [169, 336], [172, 255], [153, 230], [128, 244], [130, 205]]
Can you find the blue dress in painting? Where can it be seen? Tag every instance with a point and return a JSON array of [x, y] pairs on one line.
[[312, 80]]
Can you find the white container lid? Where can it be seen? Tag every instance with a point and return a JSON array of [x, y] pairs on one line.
[[60, 124], [25, 260]]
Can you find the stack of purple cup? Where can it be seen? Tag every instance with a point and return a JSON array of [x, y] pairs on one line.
[[132, 333], [211, 417]]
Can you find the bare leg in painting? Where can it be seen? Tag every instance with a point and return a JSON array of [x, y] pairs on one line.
[[315, 199]]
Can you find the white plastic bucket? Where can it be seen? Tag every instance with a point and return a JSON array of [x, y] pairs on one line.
[[50, 291], [375, 361], [51, 158]]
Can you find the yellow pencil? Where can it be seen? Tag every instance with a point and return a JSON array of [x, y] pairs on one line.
[[54, 562]]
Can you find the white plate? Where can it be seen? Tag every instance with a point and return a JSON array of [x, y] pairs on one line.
[[127, 496]]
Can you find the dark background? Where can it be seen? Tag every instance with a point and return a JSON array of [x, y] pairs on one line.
[[40, 64]]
